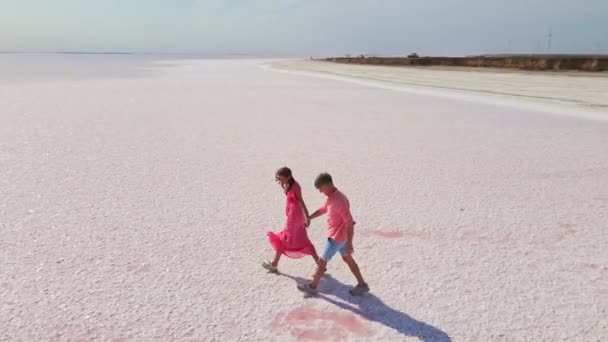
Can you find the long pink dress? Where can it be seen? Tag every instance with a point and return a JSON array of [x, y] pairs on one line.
[[293, 240]]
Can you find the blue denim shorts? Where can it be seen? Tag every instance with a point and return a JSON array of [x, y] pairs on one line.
[[332, 247]]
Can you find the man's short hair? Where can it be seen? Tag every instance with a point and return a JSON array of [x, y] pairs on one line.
[[323, 179]]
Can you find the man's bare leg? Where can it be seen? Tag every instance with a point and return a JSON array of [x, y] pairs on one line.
[[321, 268], [316, 257], [354, 268]]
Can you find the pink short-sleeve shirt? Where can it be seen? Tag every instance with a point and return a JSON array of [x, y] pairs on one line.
[[339, 217]]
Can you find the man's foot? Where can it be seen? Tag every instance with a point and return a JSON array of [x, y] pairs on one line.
[[305, 287], [270, 267], [359, 290]]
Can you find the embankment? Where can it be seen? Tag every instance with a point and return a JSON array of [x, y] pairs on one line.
[[525, 62]]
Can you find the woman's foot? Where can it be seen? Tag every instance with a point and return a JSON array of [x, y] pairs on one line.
[[270, 267]]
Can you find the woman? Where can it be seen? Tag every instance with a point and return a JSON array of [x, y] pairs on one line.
[[293, 240]]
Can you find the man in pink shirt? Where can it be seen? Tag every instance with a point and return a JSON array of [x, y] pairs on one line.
[[341, 229]]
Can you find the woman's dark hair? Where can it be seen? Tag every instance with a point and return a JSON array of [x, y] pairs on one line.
[[286, 172], [322, 179]]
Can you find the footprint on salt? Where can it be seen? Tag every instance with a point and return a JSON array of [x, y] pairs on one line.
[[309, 324]]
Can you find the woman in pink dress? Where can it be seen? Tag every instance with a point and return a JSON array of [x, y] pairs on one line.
[[293, 240]]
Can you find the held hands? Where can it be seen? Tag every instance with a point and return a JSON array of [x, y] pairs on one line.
[[307, 221]]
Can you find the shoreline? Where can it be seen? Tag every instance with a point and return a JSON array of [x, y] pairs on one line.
[[570, 73], [572, 94]]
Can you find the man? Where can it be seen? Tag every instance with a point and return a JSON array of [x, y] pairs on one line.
[[339, 238]]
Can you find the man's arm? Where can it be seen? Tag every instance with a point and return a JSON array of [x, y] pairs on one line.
[[317, 214], [350, 231], [349, 226], [350, 234]]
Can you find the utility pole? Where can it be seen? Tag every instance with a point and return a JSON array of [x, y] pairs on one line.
[[549, 40]]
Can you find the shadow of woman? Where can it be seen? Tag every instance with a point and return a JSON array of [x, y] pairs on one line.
[[373, 309]]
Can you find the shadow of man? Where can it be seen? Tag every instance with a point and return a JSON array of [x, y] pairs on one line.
[[374, 309]]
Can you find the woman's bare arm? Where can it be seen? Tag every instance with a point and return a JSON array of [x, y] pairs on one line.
[[305, 211]]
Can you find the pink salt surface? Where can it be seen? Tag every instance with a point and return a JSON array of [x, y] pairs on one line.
[[389, 234], [136, 208], [394, 234], [309, 324]]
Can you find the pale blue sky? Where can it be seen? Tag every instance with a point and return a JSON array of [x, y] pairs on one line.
[[304, 27]]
